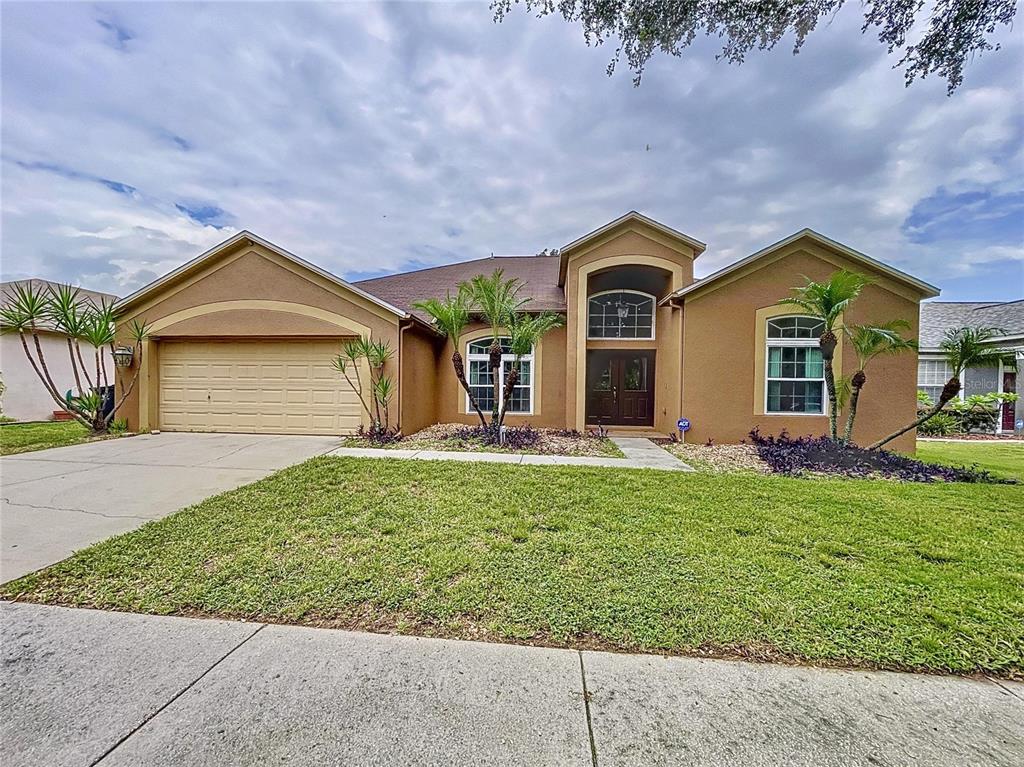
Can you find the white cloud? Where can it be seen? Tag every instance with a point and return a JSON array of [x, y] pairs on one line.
[[369, 137]]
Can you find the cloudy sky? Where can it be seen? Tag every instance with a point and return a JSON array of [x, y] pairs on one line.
[[374, 138]]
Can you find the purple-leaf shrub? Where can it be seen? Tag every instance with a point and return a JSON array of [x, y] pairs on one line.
[[822, 455]]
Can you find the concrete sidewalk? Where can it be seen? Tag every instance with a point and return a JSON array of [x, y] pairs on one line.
[[84, 687], [640, 453]]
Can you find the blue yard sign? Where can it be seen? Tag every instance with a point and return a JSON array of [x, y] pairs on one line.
[[683, 424]]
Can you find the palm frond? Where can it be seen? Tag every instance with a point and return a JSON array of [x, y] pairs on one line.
[[26, 308], [526, 330], [450, 315], [829, 299], [968, 347], [870, 341]]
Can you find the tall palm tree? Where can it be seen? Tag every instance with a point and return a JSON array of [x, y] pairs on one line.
[[963, 348], [525, 331], [826, 301], [450, 317], [868, 342], [497, 301]]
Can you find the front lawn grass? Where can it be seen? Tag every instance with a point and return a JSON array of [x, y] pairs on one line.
[[1003, 459], [871, 573], [23, 437]]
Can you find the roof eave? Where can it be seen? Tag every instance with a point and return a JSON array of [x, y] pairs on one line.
[[928, 290], [133, 299]]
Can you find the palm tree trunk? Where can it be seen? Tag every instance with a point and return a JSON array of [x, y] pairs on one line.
[[949, 391], [373, 393], [495, 363], [74, 366], [48, 384], [85, 368], [859, 379], [827, 344], [510, 384], [460, 373]]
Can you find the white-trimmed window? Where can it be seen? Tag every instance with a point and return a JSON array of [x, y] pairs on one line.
[[478, 374], [620, 314], [795, 376], [932, 375]]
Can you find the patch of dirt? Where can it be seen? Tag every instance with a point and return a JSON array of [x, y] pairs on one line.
[[719, 459]]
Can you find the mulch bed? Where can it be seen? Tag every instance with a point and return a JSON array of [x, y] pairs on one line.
[[810, 456], [518, 439]]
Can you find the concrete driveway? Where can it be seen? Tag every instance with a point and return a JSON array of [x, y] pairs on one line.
[[61, 500]]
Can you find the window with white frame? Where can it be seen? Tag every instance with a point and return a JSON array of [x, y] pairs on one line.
[[795, 379], [478, 375], [620, 314], [932, 375]]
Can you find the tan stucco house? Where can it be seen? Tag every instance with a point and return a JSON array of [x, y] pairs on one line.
[[243, 335]]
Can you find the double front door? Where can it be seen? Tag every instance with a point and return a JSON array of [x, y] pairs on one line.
[[620, 387]]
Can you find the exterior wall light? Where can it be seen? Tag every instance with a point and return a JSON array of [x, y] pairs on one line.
[[123, 356]]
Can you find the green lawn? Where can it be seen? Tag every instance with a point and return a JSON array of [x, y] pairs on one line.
[[858, 573], [1003, 459], [23, 437]]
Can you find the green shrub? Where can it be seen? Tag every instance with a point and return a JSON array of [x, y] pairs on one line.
[[939, 425]]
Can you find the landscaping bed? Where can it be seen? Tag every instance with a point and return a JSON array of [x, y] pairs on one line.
[[816, 456], [903, 576], [719, 459], [518, 439]]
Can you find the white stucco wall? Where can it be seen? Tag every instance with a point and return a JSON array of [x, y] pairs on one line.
[[25, 398]]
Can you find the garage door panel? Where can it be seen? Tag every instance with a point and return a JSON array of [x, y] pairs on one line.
[[270, 387]]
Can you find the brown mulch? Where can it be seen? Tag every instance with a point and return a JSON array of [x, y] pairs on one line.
[[452, 436], [719, 459]]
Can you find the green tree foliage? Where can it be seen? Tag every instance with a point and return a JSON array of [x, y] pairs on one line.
[[953, 31]]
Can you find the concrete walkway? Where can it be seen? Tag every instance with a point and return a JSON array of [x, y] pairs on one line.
[[640, 453], [83, 687], [60, 500]]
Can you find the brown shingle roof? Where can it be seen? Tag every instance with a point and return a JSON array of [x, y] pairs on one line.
[[539, 273]]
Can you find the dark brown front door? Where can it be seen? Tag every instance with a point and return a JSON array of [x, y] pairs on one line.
[[1009, 385], [620, 387]]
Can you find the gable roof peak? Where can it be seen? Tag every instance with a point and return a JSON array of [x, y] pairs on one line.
[[244, 235], [697, 246]]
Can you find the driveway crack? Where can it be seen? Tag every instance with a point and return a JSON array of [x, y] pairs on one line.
[[79, 511]]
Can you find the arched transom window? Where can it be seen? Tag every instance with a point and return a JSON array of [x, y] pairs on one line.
[[480, 381], [621, 314], [795, 379]]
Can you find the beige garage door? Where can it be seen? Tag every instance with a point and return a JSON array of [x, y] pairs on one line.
[[264, 387]]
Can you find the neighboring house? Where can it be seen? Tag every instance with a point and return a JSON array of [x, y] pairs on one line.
[[938, 317], [25, 399], [243, 335]]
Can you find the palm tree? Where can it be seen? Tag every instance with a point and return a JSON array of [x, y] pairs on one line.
[[826, 301], [524, 332], [963, 348], [868, 342], [497, 301], [451, 316], [30, 308]]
